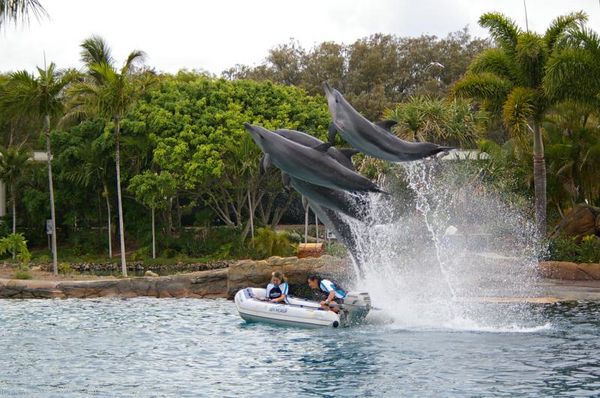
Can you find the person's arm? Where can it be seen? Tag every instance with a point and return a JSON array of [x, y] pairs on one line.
[[284, 291], [329, 299], [279, 299]]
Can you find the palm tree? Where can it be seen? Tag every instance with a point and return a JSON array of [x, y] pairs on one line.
[[108, 92], [19, 10], [573, 71], [40, 97], [509, 80], [13, 161]]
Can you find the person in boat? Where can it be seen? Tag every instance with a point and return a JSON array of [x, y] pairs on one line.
[[335, 294], [277, 290]]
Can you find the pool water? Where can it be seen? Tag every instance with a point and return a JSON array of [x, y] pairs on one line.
[[201, 348]]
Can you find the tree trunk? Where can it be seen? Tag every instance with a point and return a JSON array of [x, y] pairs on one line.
[[109, 224], [306, 224], [14, 214], [539, 180], [51, 189], [119, 198], [153, 236], [251, 211]]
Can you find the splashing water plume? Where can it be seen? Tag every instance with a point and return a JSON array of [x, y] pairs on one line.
[[448, 253]]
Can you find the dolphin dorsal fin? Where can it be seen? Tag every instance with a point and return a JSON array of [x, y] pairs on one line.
[[323, 147], [386, 124], [348, 152]]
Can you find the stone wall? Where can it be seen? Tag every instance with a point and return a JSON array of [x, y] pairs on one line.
[[209, 284]]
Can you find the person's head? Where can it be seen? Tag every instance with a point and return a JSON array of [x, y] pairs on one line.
[[277, 278], [313, 281]]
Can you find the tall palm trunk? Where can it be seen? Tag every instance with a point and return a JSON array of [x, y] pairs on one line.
[[153, 235], [539, 180], [13, 198], [119, 199], [109, 223], [51, 189]]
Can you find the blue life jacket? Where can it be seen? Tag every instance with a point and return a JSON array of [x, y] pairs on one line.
[[275, 291], [328, 286]]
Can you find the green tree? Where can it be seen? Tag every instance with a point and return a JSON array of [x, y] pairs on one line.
[[85, 161], [154, 190], [109, 92], [509, 79], [13, 162], [40, 97]]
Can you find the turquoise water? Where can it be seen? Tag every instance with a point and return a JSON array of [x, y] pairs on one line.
[[201, 348]]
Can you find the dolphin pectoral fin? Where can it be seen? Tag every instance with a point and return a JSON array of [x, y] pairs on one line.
[[323, 147], [265, 163], [386, 124], [285, 180], [331, 133], [348, 152]]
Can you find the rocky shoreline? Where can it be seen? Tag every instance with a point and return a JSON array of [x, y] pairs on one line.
[[223, 282], [563, 281]]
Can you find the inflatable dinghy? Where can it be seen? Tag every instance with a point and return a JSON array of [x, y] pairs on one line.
[[252, 305]]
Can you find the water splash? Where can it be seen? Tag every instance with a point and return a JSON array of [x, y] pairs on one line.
[[440, 253]]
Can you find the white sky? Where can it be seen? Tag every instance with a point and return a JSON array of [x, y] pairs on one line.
[[215, 35]]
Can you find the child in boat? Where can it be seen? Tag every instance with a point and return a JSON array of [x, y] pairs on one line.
[[277, 290], [333, 291]]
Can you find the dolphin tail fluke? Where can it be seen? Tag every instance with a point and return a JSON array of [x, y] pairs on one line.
[[331, 133]]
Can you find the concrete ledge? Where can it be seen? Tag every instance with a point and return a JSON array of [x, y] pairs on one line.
[[570, 271]]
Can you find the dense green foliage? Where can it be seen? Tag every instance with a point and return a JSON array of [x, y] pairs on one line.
[[183, 155]]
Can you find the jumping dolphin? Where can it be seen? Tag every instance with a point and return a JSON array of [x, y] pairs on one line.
[[312, 165], [342, 155], [373, 139], [341, 228], [343, 202]]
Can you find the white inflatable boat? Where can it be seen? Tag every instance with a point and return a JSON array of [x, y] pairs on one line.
[[253, 307]]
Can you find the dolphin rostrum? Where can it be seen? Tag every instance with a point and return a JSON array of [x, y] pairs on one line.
[[373, 139], [312, 165]]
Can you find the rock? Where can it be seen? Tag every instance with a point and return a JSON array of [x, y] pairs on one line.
[[569, 271], [581, 221], [150, 273], [310, 250]]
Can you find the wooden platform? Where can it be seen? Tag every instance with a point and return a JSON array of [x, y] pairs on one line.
[[310, 250]]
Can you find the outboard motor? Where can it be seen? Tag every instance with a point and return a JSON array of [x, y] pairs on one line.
[[355, 308]]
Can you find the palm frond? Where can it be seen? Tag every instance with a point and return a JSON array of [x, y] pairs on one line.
[[95, 50], [19, 10], [562, 25], [498, 62], [519, 109], [503, 30]]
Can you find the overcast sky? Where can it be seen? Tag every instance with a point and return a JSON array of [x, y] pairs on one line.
[[214, 35]]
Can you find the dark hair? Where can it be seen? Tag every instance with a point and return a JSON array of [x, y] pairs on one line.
[[279, 275], [313, 277]]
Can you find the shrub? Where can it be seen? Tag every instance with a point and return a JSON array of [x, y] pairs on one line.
[[15, 243], [22, 272], [568, 249], [65, 269], [269, 243]]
